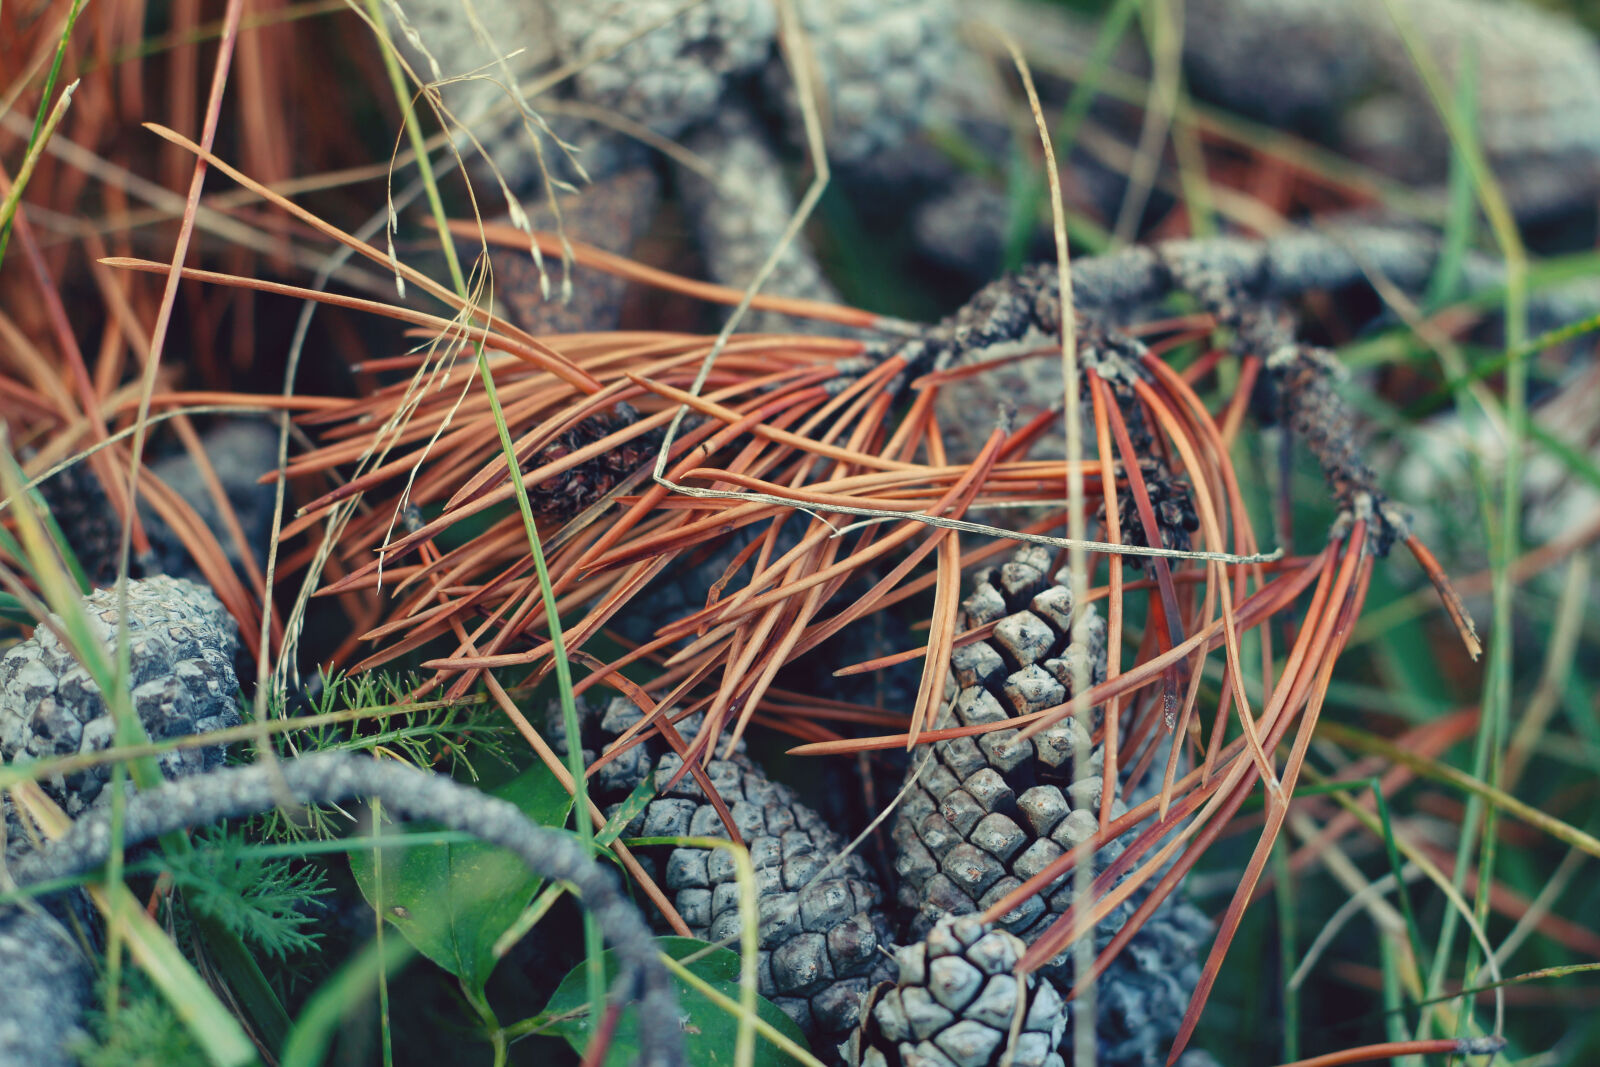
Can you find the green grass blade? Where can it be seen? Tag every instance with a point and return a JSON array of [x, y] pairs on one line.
[[563, 669], [329, 1008], [1027, 205], [749, 933], [39, 135], [1488, 749], [1392, 851], [1486, 368], [1394, 1001], [1362, 741], [1283, 892], [1462, 215], [213, 1026]]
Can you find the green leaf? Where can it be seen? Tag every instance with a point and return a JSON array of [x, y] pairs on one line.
[[637, 801], [452, 901], [709, 1031]]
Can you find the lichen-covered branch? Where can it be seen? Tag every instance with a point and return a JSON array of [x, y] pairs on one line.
[[328, 778], [1247, 284], [1270, 271]]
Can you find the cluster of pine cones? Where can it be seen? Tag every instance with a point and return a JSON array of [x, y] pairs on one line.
[[979, 816]]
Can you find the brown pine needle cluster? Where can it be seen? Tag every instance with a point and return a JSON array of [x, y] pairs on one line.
[[797, 439], [731, 524], [827, 458]]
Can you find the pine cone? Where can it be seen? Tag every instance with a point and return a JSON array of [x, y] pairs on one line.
[[240, 452], [943, 1012], [182, 643], [663, 70], [986, 814], [821, 929], [886, 69], [1538, 78], [568, 494], [1174, 511], [1169, 497], [1141, 997], [89, 523], [47, 979], [741, 218], [954, 1004], [612, 213]]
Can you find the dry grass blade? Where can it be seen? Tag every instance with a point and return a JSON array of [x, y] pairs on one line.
[[722, 523], [1099, 402], [1447, 593], [427, 284], [1213, 532]]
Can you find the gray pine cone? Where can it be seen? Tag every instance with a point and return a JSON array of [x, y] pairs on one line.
[[740, 219], [885, 69], [672, 75], [183, 643], [46, 978], [956, 998], [240, 452], [1538, 73], [954, 1004], [1140, 999], [183, 683], [90, 525], [985, 816], [882, 68], [985, 813], [821, 927]]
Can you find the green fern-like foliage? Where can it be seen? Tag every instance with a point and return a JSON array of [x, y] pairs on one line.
[[145, 1032], [373, 711], [260, 899]]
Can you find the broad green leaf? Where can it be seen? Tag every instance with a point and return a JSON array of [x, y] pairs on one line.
[[709, 1030], [452, 901]]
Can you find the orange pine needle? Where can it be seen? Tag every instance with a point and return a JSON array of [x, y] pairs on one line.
[[1393, 1050]]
